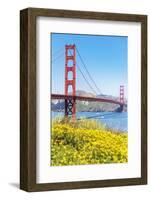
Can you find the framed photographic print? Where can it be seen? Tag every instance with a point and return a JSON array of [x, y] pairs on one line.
[[83, 93]]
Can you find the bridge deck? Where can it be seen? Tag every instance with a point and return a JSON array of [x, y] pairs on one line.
[[84, 98]]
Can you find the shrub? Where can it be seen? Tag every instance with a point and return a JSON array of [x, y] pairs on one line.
[[75, 142]]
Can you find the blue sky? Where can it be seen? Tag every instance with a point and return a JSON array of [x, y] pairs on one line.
[[104, 56]]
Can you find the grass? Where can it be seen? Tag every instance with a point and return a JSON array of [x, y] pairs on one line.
[[84, 141]]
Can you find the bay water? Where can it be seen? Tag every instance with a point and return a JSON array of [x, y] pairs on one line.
[[116, 121]]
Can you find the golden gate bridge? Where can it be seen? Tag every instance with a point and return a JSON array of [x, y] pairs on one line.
[[70, 98]]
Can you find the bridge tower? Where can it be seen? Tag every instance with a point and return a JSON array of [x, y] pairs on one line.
[[122, 94], [70, 81], [121, 97]]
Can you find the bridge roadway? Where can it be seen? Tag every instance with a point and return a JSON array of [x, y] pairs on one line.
[[84, 98]]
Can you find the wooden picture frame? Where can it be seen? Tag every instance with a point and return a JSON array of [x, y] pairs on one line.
[[28, 98]]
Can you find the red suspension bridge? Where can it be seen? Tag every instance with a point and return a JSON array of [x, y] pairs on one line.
[[70, 97]]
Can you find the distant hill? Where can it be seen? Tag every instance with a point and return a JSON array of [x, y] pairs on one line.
[[85, 106], [84, 93]]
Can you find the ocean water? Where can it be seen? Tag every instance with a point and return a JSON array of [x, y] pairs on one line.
[[113, 120]]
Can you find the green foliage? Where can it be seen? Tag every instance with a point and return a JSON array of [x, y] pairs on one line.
[[86, 142]]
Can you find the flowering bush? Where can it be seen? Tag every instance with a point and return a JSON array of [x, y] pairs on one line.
[[86, 142]]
